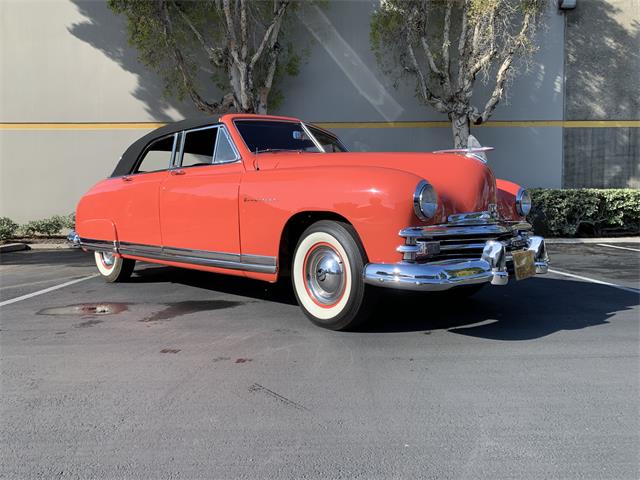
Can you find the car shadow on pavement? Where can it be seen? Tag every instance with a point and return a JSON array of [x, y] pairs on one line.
[[280, 292], [66, 257], [519, 311]]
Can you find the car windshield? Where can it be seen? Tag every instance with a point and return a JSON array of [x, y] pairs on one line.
[[269, 136]]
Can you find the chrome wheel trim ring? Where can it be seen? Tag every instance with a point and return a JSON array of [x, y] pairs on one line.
[[325, 275], [108, 259]]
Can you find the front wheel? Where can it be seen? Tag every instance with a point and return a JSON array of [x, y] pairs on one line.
[[113, 268], [327, 276]]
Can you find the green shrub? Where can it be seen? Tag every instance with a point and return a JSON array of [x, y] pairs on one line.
[[68, 221], [48, 227], [8, 228], [587, 212]]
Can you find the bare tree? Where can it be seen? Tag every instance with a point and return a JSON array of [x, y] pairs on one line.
[[237, 40], [446, 44]]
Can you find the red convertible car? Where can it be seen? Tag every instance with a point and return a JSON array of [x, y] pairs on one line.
[[267, 197]]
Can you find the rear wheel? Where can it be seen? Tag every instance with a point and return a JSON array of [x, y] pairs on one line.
[[113, 268], [327, 276]]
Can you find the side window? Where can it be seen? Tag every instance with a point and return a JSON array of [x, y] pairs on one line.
[[329, 143], [224, 150], [157, 156], [199, 146]]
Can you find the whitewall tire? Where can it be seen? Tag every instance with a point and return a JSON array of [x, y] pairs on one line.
[[327, 275], [113, 268]]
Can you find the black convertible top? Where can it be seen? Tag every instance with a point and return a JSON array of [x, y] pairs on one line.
[[132, 154]]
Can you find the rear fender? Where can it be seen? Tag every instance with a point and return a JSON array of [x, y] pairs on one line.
[[97, 229]]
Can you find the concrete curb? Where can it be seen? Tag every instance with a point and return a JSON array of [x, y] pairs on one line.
[[50, 246], [13, 247], [573, 241]]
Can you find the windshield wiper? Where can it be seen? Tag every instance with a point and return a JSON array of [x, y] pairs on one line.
[[269, 150]]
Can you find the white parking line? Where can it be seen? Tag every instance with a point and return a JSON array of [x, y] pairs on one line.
[[616, 246], [593, 280], [46, 290]]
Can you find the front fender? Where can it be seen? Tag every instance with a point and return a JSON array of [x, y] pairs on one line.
[[376, 201], [506, 197]]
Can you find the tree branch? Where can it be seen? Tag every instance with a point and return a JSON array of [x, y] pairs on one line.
[[231, 30], [482, 62], [244, 36], [428, 96], [462, 44], [429, 55], [273, 28], [423, 40], [503, 71], [445, 48], [273, 57], [181, 64], [209, 50]]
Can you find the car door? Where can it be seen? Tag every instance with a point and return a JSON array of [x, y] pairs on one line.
[[135, 206], [199, 199]]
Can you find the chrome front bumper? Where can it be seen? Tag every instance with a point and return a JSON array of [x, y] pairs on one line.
[[493, 266]]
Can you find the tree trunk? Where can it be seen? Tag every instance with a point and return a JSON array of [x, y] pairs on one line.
[[261, 103], [460, 129]]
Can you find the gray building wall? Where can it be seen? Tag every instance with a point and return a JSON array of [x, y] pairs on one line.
[[68, 61], [602, 83]]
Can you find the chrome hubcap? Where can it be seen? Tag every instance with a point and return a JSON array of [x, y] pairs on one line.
[[325, 275], [107, 258]]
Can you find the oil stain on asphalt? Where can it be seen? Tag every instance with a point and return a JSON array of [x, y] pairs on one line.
[[170, 310], [86, 309]]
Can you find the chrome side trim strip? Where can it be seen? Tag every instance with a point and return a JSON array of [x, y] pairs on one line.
[[138, 249], [259, 260], [231, 261], [98, 245], [201, 254]]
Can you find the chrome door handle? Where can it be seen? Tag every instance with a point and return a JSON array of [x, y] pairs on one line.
[[177, 172]]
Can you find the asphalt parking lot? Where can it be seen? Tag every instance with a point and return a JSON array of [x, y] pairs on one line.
[[182, 374]]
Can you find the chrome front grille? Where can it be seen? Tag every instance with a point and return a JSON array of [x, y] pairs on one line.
[[460, 241], [461, 247]]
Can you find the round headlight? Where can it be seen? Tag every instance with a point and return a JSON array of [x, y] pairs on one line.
[[425, 201], [523, 202]]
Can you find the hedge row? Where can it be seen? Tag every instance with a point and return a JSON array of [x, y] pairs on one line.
[[47, 227], [585, 212]]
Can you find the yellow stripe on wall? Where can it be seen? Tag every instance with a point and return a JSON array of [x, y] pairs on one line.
[[80, 126], [407, 124], [491, 123]]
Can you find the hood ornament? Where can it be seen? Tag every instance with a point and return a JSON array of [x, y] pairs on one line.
[[474, 150]]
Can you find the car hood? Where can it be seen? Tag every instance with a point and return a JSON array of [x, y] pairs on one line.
[[464, 184]]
